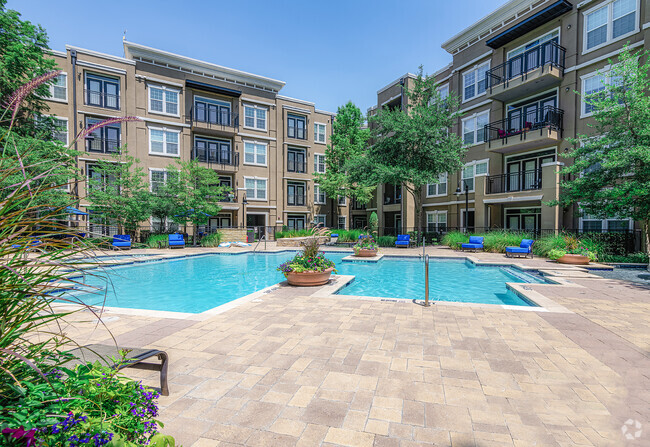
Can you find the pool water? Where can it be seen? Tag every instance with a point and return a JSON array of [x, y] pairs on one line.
[[196, 284]]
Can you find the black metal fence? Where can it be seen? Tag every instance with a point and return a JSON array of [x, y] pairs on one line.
[[220, 156], [514, 181], [518, 125], [102, 99], [95, 143]]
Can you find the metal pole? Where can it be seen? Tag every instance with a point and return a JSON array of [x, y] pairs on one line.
[[466, 208], [426, 281], [424, 244]]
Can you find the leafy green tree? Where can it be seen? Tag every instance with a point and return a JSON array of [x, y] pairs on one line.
[[164, 203], [118, 190], [197, 191], [610, 173], [415, 147], [348, 145]]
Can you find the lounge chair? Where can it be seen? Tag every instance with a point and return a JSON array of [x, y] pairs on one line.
[[403, 240], [525, 249], [176, 240], [475, 243], [102, 353], [334, 237], [121, 241]]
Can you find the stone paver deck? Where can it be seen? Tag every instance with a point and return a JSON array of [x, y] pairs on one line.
[[290, 369]]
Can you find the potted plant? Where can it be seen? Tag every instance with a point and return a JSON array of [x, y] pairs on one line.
[[366, 247], [577, 256], [309, 267]]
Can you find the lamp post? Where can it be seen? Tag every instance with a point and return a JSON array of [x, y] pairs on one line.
[[459, 192], [244, 203]]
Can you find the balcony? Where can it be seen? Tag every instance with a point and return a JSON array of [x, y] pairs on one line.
[[538, 68], [101, 145], [216, 159], [221, 122], [102, 99], [534, 128], [514, 182]]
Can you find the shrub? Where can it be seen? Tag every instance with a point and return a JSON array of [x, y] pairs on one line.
[[157, 241], [386, 241], [555, 253], [544, 245], [309, 259], [497, 241], [454, 239], [636, 258], [373, 223], [211, 240], [349, 235], [366, 243], [292, 233]]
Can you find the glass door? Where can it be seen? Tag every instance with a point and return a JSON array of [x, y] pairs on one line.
[[513, 223], [530, 222], [513, 176], [530, 174]]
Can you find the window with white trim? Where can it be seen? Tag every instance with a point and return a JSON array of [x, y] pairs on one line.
[[60, 131], [59, 88], [610, 22], [591, 85], [319, 163], [320, 130], [438, 189], [157, 179], [470, 171], [255, 188], [163, 100], [163, 141], [474, 81], [342, 200], [590, 223], [255, 153], [342, 222], [443, 91], [320, 220], [436, 221], [474, 128], [319, 196], [255, 116]]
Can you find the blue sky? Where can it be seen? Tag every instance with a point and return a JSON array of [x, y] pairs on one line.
[[326, 52]]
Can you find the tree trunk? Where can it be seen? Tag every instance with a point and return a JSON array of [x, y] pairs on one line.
[[646, 233], [417, 201]]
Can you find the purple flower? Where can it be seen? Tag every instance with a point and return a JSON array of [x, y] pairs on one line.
[[21, 434]]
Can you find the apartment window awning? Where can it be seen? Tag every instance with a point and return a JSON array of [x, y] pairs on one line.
[[212, 88], [538, 19]]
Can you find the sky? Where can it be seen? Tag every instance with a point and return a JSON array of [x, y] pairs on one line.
[[327, 52]]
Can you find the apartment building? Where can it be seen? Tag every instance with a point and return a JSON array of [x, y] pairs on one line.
[[516, 72], [264, 145]]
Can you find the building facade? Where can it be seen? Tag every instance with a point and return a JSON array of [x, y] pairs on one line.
[[263, 145], [516, 73]]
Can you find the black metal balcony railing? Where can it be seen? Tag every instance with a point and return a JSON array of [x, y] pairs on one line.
[[514, 181], [519, 66], [299, 133], [521, 124], [102, 145], [102, 99], [221, 157], [296, 200], [223, 118], [229, 197]]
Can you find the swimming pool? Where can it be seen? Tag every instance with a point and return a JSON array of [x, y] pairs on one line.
[[198, 283]]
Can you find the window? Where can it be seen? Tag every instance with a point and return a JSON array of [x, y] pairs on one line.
[[213, 151], [60, 130], [102, 91], [296, 222], [98, 179], [211, 111], [589, 223], [255, 188], [591, 85], [319, 163], [163, 100], [474, 128], [296, 194], [100, 225], [163, 225], [474, 81], [254, 153], [59, 88], [342, 222], [438, 189], [296, 160], [319, 196], [470, 171], [158, 178], [613, 21], [436, 221], [444, 91], [255, 117], [320, 220], [297, 127], [163, 141], [319, 132], [341, 201], [106, 139]]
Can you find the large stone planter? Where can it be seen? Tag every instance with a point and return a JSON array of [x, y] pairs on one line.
[[308, 279], [365, 253], [573, 259]]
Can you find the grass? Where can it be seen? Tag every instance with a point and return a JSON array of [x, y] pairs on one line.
[[349, 235], [154, 240], [211, 240], [292, 233], [386, 241]]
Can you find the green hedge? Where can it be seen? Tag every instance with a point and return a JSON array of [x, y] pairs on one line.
[[154, 240], [211, 240], [349, 235], [292, 233], [386, 241]]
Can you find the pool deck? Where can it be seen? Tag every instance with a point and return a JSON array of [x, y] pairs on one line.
[[302, 367]]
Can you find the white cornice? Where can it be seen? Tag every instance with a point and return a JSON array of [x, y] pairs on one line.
[[189, 65], [407, 75], [299, 101], [58, 53], [102, 55], [493, 22]]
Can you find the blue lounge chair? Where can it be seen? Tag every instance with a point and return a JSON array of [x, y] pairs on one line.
[[176, 241], [121, 241], [403, 240], [475, 243], [525, 248]]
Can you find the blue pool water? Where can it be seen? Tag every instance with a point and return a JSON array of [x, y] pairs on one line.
[[196, 284]]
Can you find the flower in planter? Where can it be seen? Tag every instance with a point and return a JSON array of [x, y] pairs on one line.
[[365, 243], [308, 260]]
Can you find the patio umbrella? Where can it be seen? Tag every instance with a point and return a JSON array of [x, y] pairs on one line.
[[73, 210]]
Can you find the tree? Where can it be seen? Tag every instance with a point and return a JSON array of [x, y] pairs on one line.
[[23, 58], [163, 203], [197, 191], [118, 191], [348, 144], [610, 174], [415, 147]]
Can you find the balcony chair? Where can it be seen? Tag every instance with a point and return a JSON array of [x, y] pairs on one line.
[[176, 240], [403, 240], [121, 241], [475, 243], [525, 249]]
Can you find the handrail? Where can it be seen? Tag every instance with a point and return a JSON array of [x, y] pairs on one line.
[[514, 181], [222, 118], [519, 125], [426, 281], [258, 242]]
